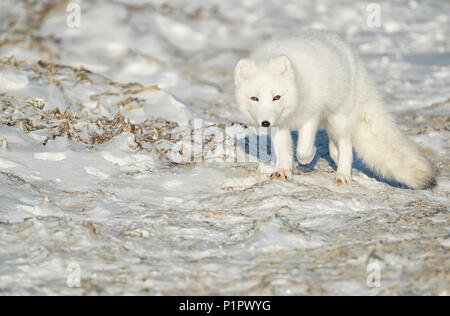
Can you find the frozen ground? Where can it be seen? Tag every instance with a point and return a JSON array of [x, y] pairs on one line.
[[94, 187]]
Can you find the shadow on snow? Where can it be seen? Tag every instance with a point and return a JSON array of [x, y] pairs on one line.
[[323, 152]]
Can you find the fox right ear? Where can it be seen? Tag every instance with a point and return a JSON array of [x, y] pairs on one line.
[[244, 70], [282, 66]]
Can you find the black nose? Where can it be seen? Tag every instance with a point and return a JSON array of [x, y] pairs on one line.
[[265, 124]]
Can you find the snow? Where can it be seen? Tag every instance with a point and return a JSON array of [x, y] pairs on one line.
[[11, 81], [96, 186]]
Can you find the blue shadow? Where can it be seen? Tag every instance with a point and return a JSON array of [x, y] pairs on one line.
[[322, 144]]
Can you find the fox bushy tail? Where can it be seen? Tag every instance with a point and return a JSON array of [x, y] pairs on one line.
[[383, 147]]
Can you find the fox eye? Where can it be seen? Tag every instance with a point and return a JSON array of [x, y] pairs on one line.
[[277, 97], [254, 99]]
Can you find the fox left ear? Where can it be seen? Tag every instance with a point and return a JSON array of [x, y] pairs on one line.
[[282, 66], [244, 70]]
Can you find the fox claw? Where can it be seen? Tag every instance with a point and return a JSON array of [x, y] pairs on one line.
[[342, 179], [281, 175]]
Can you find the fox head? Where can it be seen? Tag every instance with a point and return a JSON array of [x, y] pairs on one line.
[[266, 92]]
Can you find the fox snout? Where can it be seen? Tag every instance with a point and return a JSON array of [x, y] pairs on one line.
[[266, 117]]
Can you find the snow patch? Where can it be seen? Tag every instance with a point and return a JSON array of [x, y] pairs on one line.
[[50, 156], [11, 81]]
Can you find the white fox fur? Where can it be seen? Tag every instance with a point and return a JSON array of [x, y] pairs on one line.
[[316, 81]]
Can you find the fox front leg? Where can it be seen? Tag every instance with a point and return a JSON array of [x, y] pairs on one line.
[[334, 152], [345, 160], [282, 145], [306, 150]]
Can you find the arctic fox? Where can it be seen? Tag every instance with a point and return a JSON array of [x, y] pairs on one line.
[[315, 80]]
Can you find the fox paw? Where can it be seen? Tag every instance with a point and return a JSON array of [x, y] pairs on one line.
[[282, 175], [306, 158], [342, 179]]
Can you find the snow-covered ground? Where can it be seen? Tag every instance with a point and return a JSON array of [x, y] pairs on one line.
[[90, 117]]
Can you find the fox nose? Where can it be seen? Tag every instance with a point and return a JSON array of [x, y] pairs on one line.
[[265, 124]]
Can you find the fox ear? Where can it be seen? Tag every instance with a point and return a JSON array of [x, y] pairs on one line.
[[282, 66], [244, 70]]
